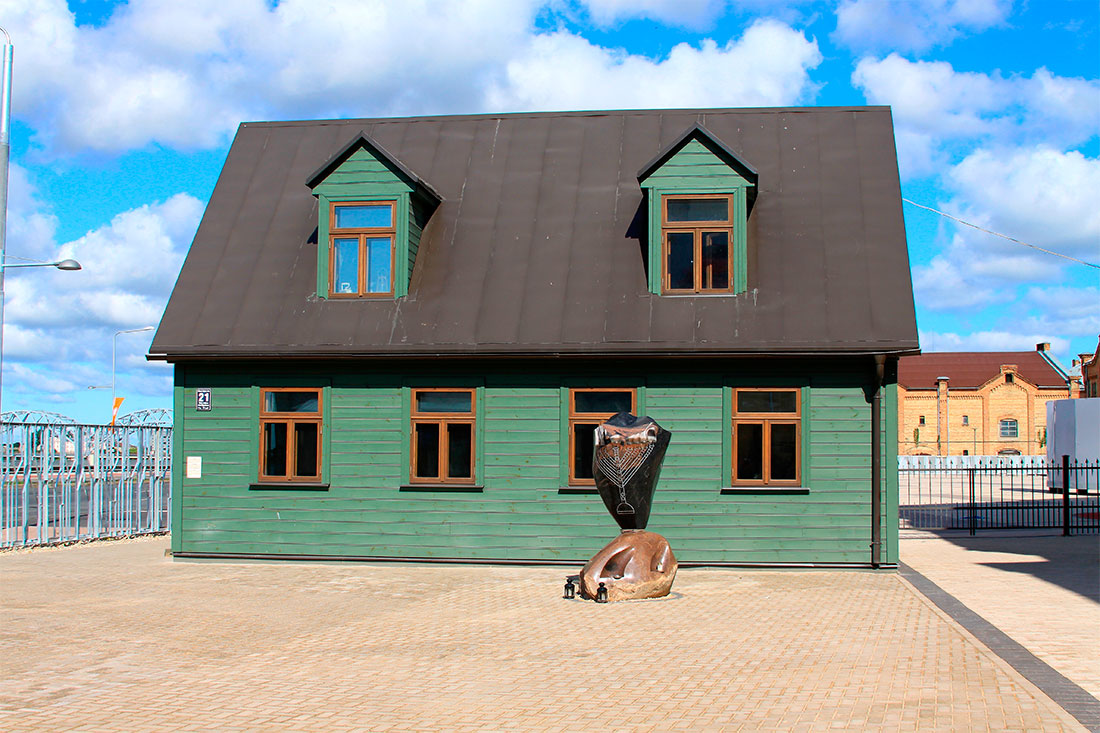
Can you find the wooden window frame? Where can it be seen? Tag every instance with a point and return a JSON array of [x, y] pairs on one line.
[[442, 419], [290, 419], [363, 234], [766, 420], [585, 418], [697, 229]]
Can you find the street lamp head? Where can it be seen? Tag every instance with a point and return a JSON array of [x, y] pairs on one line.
[[67, 265]]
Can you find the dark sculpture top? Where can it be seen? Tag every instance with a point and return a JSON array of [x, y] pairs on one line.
[[626, 465]]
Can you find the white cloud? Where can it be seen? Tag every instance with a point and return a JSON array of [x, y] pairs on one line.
[[945, 284], [1066, 310], [934, 105], [184, 75], [769, 65], [685, 13], [28, 378], [30, 228], [60, 327], [989, 341], [1038, 195], [914, 25]]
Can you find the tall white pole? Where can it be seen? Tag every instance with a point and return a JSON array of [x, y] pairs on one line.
[[5, 127], [114, 348]]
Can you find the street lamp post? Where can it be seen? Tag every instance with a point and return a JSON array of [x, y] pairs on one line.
[[114, 350], [5, 150], [5, 127]]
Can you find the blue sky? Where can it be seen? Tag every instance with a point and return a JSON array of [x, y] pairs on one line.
[[123, 114]]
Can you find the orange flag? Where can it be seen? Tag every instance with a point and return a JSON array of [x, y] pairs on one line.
[[114, 412]]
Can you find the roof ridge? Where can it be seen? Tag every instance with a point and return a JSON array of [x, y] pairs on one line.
[[563, 113]]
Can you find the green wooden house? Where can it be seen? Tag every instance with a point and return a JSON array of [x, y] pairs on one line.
[[393, 338]]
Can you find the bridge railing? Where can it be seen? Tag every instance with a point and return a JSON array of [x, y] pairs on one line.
[[67, 482]]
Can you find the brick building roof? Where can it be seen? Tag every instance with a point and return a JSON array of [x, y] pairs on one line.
[[972, 369]]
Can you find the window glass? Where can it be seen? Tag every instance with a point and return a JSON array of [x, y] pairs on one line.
[[378, 264], [305, 401], [681, 260], [716, 250], [584, 448], [443, 401], [710, 209], [766, 438], [749, 439], [587, 409], [346, 265], [460, 450], [305, 449], [274, 449], [364, 216], [763, 401], [784, 466], [427, 449], [1009, 429], [609, 402]]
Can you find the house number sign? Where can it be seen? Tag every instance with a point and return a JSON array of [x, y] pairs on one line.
[[202, 399]]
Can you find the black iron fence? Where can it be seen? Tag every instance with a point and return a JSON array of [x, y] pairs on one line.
[[1020, 492]]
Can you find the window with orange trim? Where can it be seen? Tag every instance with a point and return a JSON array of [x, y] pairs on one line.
[[443, 434], [361, 249], [697, 243], [588, 407], [767, 437], [290, 434]]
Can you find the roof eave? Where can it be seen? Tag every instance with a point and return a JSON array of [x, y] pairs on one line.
[[179, 353]]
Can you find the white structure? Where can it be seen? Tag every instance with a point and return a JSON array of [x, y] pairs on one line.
[[1073, 429]]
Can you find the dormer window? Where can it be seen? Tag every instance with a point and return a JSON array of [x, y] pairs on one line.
[[698, 196], [371, 213], [361, 238], [697, 231]]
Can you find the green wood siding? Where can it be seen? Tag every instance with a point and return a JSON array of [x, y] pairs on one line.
[[419, 213], [362, 177], [694, 169], [518, 511]]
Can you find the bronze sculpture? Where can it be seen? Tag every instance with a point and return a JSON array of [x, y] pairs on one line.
[[626, 465]]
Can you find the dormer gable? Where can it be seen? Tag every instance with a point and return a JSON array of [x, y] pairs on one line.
[[698, 195], [372, 209]]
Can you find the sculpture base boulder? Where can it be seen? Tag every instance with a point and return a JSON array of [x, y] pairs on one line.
[[636, 564]]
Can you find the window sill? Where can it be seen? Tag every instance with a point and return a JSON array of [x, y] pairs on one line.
[[702, 295], [458, 488], [288, 486], [581, 490], [765, 490]]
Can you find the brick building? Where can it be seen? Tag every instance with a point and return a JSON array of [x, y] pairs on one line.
[[977, 403], [1087, 368]]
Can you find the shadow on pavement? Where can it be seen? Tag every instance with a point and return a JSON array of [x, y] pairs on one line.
[[1071, 562]]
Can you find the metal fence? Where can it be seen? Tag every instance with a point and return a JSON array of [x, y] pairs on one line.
[[994, 492], [66, 482]]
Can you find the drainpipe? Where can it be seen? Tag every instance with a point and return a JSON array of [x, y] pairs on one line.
[[876, 462], [5, 126]]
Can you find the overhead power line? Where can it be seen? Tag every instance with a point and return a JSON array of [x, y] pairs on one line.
[[998, 234]]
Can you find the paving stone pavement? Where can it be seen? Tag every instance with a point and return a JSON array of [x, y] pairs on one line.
[[114, 636], [1040, 588]]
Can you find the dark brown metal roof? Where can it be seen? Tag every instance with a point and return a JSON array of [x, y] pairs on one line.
[[973, 369], [536, 249]]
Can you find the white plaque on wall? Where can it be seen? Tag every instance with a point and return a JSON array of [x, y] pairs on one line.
[[194, 466]]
